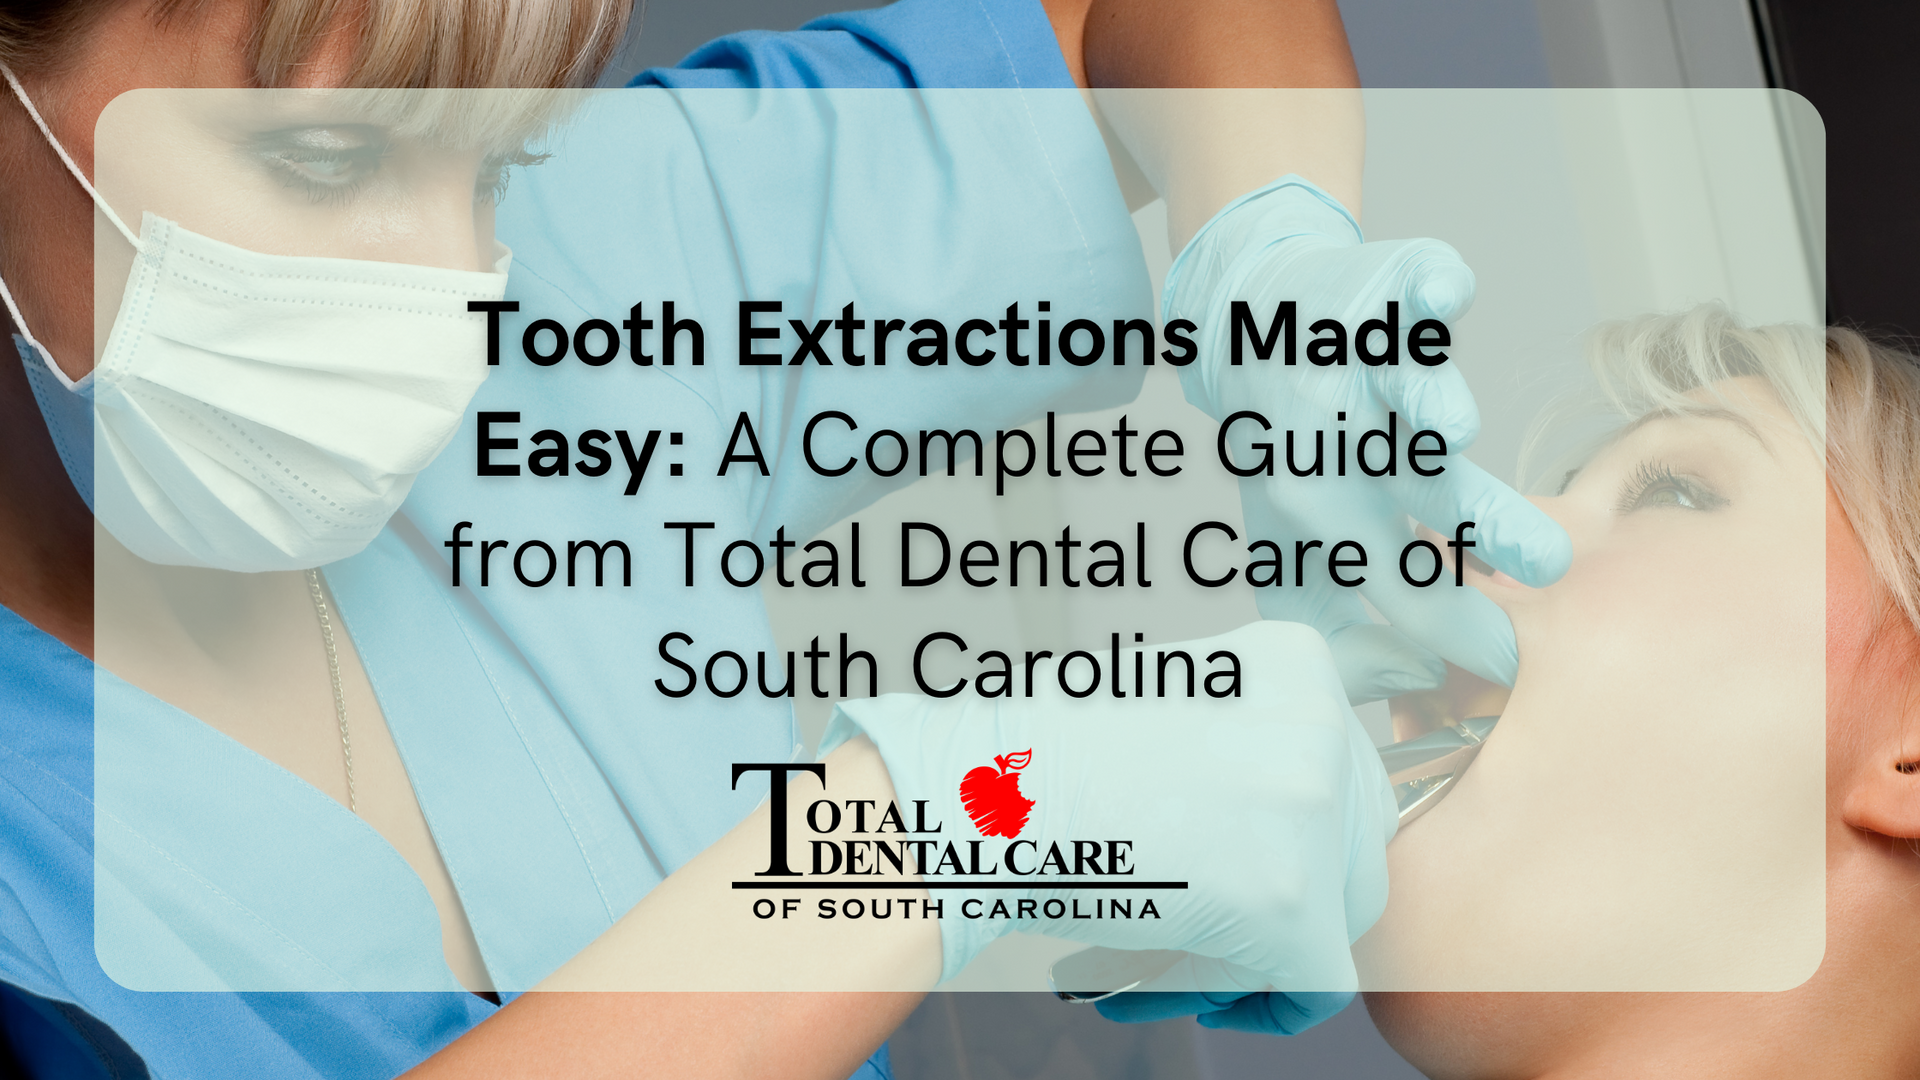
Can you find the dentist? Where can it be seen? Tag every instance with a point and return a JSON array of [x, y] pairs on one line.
[[316, 861]]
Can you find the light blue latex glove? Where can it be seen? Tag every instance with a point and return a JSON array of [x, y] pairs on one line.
[[1270, 1013], [1273, 806], [1292, 241], [1178, 992]]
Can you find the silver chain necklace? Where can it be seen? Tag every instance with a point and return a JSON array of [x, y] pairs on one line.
[[333, 674]]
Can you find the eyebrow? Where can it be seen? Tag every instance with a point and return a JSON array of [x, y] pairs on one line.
[[1710, 412]]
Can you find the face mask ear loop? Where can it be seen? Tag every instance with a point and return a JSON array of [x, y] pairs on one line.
[[6, 296], [26, 335], [21, 93]]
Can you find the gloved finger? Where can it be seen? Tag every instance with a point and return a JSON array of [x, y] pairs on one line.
[[1376, 661], [1510, 533], [1316, 601], [1299, 941], [1275, 1013], [1375, 817], [1457, 623], [1434, 399], [1460, 624], [1296, 595], [1146, 1006], [1426, 276]]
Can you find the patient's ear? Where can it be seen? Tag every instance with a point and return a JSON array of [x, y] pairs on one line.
[[1882, 702], [1886, 794], [1873, 690]]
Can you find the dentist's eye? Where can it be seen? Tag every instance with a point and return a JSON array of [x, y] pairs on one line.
[[327, 164], [1653, 485]]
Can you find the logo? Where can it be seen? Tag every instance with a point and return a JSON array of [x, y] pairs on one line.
[[993, 799], [879, 851]]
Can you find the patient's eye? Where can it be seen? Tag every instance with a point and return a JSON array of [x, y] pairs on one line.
[[1655, 485]]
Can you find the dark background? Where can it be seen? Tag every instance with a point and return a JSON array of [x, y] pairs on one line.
[[1855, 62]]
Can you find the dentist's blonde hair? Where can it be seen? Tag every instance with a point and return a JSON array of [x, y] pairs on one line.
[[413, 44], [410, 44]]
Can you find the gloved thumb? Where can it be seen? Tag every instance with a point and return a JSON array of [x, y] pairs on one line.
[[1195, 985], [1277, 1013], [1147, 1006], [1441, 284]]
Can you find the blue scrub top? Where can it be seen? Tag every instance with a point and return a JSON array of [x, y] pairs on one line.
[[558, 789]]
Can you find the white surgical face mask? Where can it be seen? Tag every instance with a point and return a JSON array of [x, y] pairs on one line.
[[260, 412]]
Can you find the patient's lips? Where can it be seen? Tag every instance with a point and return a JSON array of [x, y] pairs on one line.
[[1478, 573]]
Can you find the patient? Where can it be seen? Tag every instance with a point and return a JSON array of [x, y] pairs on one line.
[[1688, 633]]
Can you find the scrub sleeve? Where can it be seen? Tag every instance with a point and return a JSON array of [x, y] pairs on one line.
[[63, 1016]]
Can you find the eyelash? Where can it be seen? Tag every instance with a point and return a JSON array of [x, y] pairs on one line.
[[496, 170], [365, 161], [1650, 477], [283, 154]]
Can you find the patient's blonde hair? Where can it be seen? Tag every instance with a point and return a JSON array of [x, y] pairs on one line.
[[1652, 363], [1857, 401], [1873, 455]]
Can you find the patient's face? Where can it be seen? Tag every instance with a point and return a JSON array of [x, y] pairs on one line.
[[1649, 814]]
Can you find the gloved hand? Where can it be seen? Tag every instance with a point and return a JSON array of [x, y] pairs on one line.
[[1220, 995], [1272, 805], [1292, 241]]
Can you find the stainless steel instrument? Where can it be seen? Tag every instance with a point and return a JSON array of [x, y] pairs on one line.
[[1421, 771]]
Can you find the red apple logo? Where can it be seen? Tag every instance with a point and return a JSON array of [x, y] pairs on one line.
[[993, 799]]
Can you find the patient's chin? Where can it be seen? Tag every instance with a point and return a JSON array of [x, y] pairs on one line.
[[1450, 1036]]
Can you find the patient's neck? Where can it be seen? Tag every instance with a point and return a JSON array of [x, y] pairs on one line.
[[1857, 1018]]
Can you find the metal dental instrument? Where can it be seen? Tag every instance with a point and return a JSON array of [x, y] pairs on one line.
[[1421, 770]]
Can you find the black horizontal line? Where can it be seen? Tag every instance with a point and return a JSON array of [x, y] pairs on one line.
[[1041, 884]]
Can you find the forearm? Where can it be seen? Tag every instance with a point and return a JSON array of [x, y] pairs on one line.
[[667, 1036], [694, 933], [1216, 43], [1202, 148]]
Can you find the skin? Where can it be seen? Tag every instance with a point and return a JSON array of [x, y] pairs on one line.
[[1858, 1014], [48, 542], [1201, 103]]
